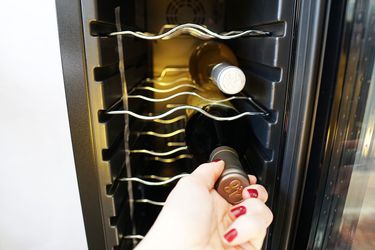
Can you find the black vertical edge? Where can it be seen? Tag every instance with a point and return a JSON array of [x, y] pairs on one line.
[[73, 61], [308, 44]]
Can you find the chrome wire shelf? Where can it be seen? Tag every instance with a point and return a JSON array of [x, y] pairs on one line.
[[183, 85], [170, 31], [154, 153], [189, 93], [170, 121], [160, 135], [163, 180], [172, 89], [170, 160], [148, 201], [184, 108], [133, 237]]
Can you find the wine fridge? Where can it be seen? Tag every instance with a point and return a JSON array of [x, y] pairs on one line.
[[293, 83]]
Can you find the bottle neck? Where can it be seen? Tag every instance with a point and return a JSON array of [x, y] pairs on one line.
[[228, 78], [234, 178], [204, 134]]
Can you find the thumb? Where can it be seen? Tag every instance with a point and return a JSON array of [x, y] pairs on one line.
[[208, 173]]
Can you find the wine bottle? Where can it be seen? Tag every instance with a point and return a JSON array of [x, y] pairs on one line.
[[208, 140], [213, 62]]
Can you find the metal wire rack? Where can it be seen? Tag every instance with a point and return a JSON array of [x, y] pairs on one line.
[[170, 31]]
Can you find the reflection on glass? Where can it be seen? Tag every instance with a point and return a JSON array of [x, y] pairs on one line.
[[356, 227]]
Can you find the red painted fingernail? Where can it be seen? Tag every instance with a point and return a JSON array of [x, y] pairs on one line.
[[238, 211], [253, 193], [230, 235], [216, 160]]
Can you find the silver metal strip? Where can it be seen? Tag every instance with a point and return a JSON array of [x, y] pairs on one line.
[[149, 152], [168, 98], [156, 203], [171, 160], [126, 117], [176, 144], [185, 107], [133, 237], [155, 177], [167, 70], [155, 90], [173, 105], [164, 83], [154, 183], [160, 135], [170, 121], [193, 30]]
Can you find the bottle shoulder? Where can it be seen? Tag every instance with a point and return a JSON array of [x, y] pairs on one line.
[[214, 52]]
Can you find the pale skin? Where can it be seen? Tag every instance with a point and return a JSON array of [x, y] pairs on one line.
[[195, 216]]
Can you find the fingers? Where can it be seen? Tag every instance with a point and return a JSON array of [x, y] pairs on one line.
[[255, 191], [251, 192], [252, 179], [249, 246], [244, 230], [208, 173], [251, 226]]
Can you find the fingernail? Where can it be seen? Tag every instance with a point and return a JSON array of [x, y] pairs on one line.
[[216, 160], [230, 235], [253, 193], [238, 211]]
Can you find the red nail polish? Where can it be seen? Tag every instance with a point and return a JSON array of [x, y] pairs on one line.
[[238, 211], [253, 193], [216, 160], [230, 235]]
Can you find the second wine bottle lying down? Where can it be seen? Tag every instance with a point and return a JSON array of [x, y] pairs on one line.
[[210, 140]]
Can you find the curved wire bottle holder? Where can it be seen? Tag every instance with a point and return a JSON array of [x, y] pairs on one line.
[[170, 31]]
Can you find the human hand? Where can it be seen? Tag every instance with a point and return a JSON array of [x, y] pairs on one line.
[[195, 216]]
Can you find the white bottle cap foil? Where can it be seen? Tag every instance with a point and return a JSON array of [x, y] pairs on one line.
[[228, 78]]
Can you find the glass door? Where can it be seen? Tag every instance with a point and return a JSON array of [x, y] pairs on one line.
[[338, 205]]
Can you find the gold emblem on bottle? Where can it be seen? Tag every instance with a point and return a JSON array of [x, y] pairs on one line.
[[234, 189]]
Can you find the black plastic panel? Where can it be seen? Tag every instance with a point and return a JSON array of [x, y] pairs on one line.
[[123, 221], [119, 192], [266, 63], [135, 52], [260, 50], [106, 71], [248, 13], [108, 51], [112, 91], [117, 163], [114, 127], [100, 28]]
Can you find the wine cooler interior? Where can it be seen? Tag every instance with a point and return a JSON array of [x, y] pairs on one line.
[[140, 150]]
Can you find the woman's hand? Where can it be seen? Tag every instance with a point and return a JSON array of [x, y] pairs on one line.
[[195, 216]]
